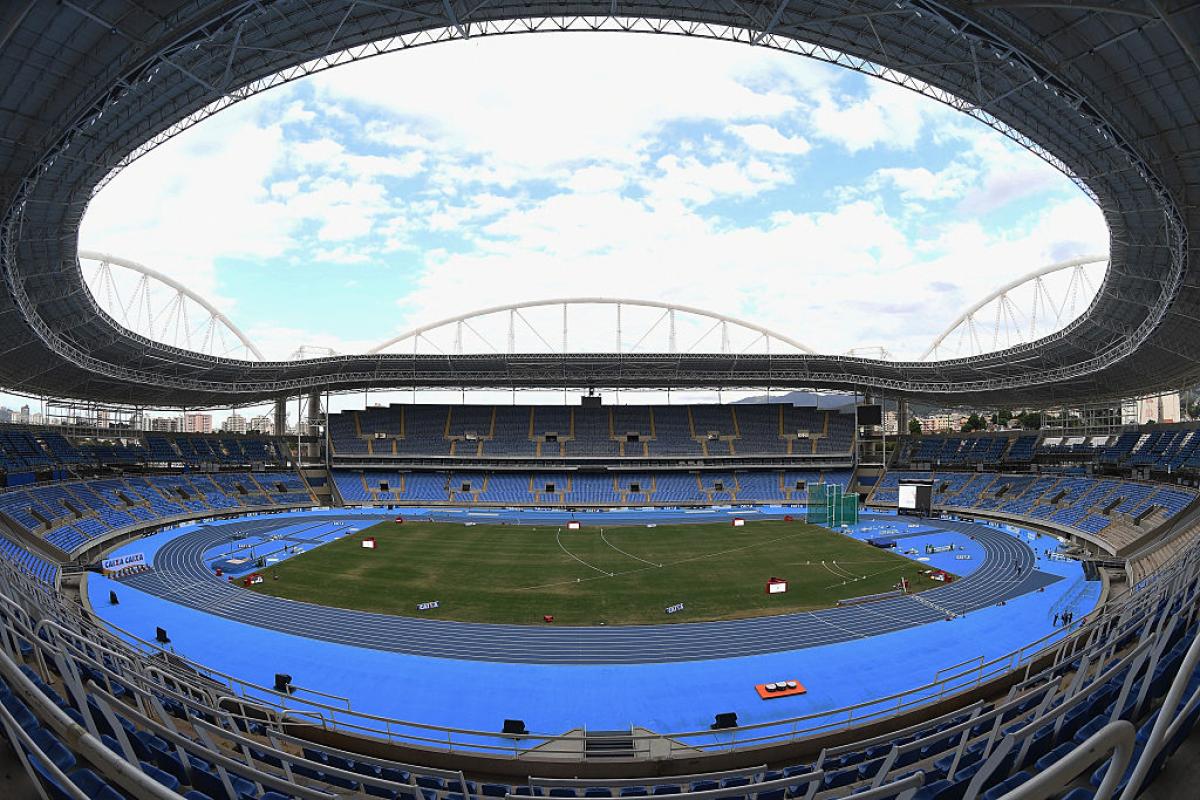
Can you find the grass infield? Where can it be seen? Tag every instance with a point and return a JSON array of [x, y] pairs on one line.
[[594, 576]]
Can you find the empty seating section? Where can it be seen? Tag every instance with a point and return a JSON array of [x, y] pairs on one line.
[[1021, 450], [20, 450], [960, 450], [582, 488], [224, 449], [29, 455], [1119, 450], [70, 514], [673, 433], [1124, 511], [513, 430], [621, 431], [1161, 449], [27, 562]]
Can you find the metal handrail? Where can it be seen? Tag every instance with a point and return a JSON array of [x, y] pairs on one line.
[[1166, 726], [1115, 737]]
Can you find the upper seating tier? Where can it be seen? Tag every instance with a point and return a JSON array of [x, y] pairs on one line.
[[605, 432]]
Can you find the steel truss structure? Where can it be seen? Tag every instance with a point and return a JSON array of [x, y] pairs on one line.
[[161, 308], [1103, 90], [665, 326], [1019, 310]]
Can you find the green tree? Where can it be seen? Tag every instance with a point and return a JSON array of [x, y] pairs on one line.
[[1030, 420], [914, 427]]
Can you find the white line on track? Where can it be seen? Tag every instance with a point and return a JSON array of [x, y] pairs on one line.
[[622, 552], [558, 538]]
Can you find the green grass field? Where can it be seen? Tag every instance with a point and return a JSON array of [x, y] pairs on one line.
[[615, 575]]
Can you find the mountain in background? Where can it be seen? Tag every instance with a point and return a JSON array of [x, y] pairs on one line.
[[825, 401], [835, 401]]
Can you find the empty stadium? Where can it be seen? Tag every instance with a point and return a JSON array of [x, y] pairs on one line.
[[708, 560]]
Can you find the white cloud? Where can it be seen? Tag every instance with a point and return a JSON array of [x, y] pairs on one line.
[[920, 183], [595, 97], [888, 116], [689, 180], [765, 139]]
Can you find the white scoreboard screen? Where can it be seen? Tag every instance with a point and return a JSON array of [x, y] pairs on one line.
[[915, 497]]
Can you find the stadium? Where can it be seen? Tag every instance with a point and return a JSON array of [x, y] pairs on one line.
[[796, 595]]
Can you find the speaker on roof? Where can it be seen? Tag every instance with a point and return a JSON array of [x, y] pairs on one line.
[[869, 414], [160, 636], [113, 601], [283, 683], [514, 727]]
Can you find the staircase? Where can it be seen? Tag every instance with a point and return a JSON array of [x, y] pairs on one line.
[[608, 744]]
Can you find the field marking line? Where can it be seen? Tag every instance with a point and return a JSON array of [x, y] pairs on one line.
[[871, 575], [602, 576], [838, 572], [848, 573], [733, 550], [622, 552], [558, 538]]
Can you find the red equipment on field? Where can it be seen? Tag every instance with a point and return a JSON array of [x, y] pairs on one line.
[[770, 691]]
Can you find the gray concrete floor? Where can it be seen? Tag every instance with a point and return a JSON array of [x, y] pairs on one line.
[[1180, 779], [14, 782]]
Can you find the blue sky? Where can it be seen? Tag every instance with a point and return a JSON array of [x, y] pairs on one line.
[[836, 208]]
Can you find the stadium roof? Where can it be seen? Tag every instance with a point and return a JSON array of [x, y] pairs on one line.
[[1105, 90]]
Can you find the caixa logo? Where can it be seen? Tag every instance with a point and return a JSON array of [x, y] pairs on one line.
[[124, 562]]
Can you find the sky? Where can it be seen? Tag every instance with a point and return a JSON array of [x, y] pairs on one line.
[[835, 208]]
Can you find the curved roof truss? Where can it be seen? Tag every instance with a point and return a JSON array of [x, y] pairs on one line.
[[720, 325], [167, 323], [1007, 311]]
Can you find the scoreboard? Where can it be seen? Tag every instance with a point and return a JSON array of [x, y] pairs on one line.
[[915, 497]]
